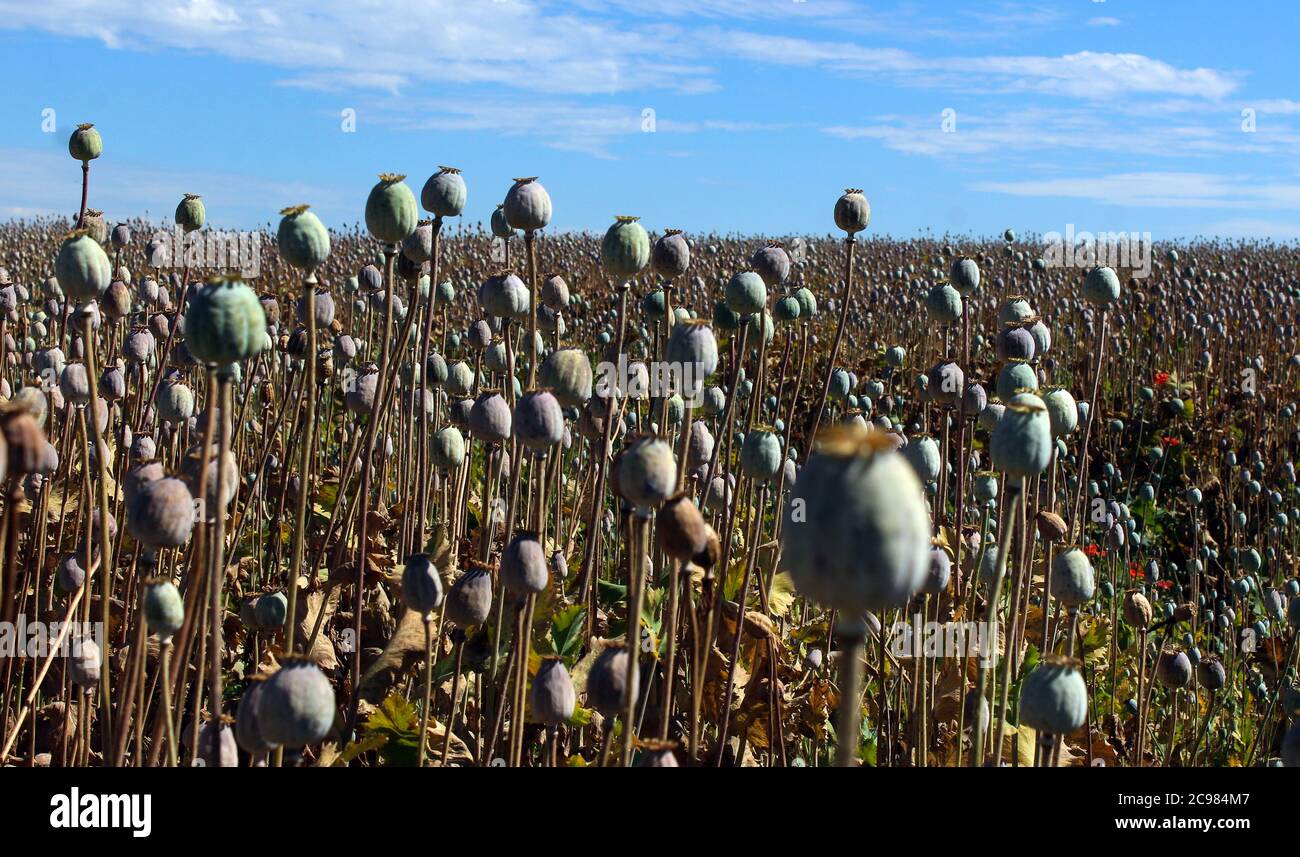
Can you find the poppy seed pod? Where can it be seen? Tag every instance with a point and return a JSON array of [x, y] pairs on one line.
[[229, 476], [360, 399], [490, 418], [445, 193], [164, 609], [771, 263], [448, 448], [1137, 610], [807, 303], [538, 421], [70, 575], [671, 255], [225, 323], [625, 249], [469, 600], [85, 662], [302, 239], [940, 572], [1015, 310], [944, 303], [567, 373], [24, 446], [322, 308], [607, 682], [247, 733], [391, 213], [1015, 343], [504, 295], [974, 400], [947, 383], [760, 454], [1073, 580], [85, 143], [680, 529], [116, 300], [1021, 444], [527, 205], [746, 293], [965, 275], [922, 452], [1210, 673], [852, 211], [1062, 411], [500, 228], [190, 214], [699, 445], [552, 698], [296, 705], [82, 267], [175, 401], [1054, 698], [1017, 375], [857, 530], [1101, 287], [647, 472], [421, 584], [1173, 668], [270, 610], [692, 344], [786, 310], [523, 565], [1051, 526], [555, 292]]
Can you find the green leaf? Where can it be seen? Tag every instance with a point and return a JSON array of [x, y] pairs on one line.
[[566, 632]]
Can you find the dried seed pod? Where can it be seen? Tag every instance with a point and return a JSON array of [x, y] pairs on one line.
[[1173, 668], [296, 705], [247, 732], [161, 514], [680, 528], [469, 600], [1137, 610], [421, 584], [523, 565], [552, 698], [538, 421], [490, 418], [1051, 526], [607, 682]]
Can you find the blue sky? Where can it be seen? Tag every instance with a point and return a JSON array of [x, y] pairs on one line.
[[1115, 115]]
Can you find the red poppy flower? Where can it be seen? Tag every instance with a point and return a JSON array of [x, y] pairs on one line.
[[1162, 378]]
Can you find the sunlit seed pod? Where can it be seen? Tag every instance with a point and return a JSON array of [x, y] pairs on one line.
[[360, 399], [724, 317], [852, 212], [1042, 337], [504, 295], [607, 682], [175, 402], [1101, 287], [163, 608], [1015, 310], [965, 275], [190, 213], [671, 255], [857, 530], [85, 144], [555, 292], [490, 418], [161, 514], [1062, 411], [680, 528], [647, 472], [1073, 580], [1015, 343], [70, 574], [116, 300], [625, 249], [523, 565], [84, 662], [23, 445], [445, 193], [500, 228], [718, 496], [1137, 610], [947, 383], [1054, 697], [82, 267], [138, 346], [1051, 526], [922, 452], [469, 599], [225, 323], [567, 373], [940, 572], [699, 445], [772, 263], [1016, 375], [527, 205], [322, 309], [552, 698], [391, 212], [447, 448], [746, 293], [303, 241], [296, 705], [944, 303], [538, 421]]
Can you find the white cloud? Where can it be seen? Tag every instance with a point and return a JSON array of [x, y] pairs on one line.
[[1103, 21], [1159, 190]]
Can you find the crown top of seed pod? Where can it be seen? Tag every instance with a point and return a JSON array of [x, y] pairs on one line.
[[293, 210], [452, 170], [391, 178]]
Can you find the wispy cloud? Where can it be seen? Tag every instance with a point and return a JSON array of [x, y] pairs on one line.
[[1159, 190]]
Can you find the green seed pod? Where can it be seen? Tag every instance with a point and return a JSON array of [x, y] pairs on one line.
[[164, 609], [82, 267], [444, 193], [271, 611], [746, 293], [922, 452], [500, 228], [1101, 287], [692, 344], [944, 303], [1073, 580], [504, 295], [85, 144], [654, 305], [1054, 698], [857, 530], [1062, 411], [527, 205], [225, 323], [807, 303], [296, 705], [760, 455], [787, 310], [190, 214], [1015, 310], [567, 372], [765, 320], [1016, 376], [852, 211], [303, 240], [391, 213], [965, 275], [714, 401], [625, 249], [1021, 445], [448, 448], [175, 401], [647, 472]]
